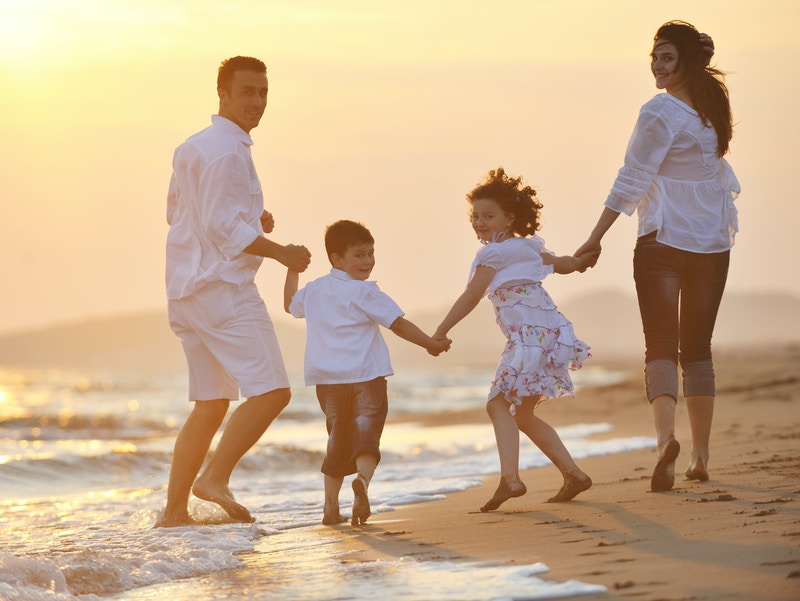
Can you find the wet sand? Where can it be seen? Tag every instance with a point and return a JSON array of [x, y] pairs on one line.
[[734, 537]]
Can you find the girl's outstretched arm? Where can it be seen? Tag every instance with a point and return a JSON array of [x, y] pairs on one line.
[[467, 301], [568, 264]]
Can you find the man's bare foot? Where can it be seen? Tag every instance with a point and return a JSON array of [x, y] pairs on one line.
[[504, 492], [331, 519], [173, 521], [664, 473], [574, 484], [222, 496], [361, 510]]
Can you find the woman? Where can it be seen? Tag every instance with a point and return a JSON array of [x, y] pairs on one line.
[[683, 189]]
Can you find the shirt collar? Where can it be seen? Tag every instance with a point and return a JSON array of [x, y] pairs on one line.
[[232, 128], [340, 275]]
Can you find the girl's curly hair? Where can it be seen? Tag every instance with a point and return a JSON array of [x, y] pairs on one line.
[[513, 198]]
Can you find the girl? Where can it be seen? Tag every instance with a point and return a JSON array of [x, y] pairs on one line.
[[674, 176], [541, 345]]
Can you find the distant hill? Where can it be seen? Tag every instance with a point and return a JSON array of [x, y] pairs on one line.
[[607, 321]]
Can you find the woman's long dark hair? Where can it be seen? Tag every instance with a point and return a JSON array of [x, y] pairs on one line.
[[705, 84]]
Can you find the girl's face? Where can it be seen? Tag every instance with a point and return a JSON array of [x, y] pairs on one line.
[[357, 261], [664, 65], [489, 221]]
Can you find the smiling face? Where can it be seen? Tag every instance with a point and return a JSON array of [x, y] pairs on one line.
[[245, 101], [664, 65], [357, 261], [489, 221]]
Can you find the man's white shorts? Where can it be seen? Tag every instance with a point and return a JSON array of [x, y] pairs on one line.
[[229, 342]]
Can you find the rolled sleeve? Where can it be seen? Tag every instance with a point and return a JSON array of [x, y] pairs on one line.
[[227, 205], [647, 148]]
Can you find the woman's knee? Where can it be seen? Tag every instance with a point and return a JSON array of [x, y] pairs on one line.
[[661, 378], [699, 379]]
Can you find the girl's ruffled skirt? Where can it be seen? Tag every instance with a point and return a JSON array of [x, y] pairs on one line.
[[542, 347]]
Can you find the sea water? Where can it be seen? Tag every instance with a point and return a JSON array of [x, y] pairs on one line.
[[84, 461]]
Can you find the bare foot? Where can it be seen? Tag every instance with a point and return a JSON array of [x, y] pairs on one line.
[[503, 493], [173, 521], [574, 484], [664, 473], [697, 473], [361, 509], [331, 519], [222, 496]]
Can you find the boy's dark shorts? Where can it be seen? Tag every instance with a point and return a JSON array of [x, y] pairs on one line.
[[354, 416]]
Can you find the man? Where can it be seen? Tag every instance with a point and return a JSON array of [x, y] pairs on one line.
[[215, 245]]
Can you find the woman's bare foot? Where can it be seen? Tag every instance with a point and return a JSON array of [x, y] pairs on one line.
[[504, 492], [696, 471], [574, 484], [361, 510], [222, 496], [664, 473]]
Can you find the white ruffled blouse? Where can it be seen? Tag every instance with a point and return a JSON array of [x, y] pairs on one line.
[[674, 179]]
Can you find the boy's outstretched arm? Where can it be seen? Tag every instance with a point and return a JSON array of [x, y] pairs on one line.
[[409, 331], [290, 287]]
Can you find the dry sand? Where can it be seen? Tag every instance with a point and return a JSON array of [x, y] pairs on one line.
[[735, 537]]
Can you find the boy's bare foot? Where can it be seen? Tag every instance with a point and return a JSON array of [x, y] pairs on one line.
[[574, 484], [173, 521], [222, 496], [503, 493], [331, 519], [664, 473], [361, 509]]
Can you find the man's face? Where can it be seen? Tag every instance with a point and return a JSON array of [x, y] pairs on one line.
[[246, 100]]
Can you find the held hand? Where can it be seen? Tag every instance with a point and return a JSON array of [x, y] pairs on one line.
[[590, 246], [587, 260], [267, 222], [295, 257], [442, 345]]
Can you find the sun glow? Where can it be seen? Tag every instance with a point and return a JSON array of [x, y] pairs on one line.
[[24, 30]]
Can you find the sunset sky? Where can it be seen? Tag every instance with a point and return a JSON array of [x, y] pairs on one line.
[[382, 112]]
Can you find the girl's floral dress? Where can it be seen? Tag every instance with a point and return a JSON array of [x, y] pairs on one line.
[[542, 347]]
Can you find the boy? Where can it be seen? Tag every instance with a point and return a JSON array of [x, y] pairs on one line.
[[347, 359]]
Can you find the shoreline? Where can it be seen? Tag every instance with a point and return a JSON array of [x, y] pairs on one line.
[[735, 537]]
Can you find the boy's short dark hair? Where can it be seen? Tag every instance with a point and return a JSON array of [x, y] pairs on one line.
[[343, 234]]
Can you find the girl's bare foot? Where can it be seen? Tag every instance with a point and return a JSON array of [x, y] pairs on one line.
[[361, 509], [221, 495], [664, 473], [504, 492], [574, 484]]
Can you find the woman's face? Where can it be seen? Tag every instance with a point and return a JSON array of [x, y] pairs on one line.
[[664, 65]]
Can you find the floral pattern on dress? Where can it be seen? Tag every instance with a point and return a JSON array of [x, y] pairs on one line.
[[541, 347]]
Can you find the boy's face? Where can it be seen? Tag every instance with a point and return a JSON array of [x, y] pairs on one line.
[[357, 262]]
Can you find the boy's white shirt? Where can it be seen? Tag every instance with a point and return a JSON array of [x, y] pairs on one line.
[[343, 316]]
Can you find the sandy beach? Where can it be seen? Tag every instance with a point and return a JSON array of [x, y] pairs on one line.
[[735, 537]]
